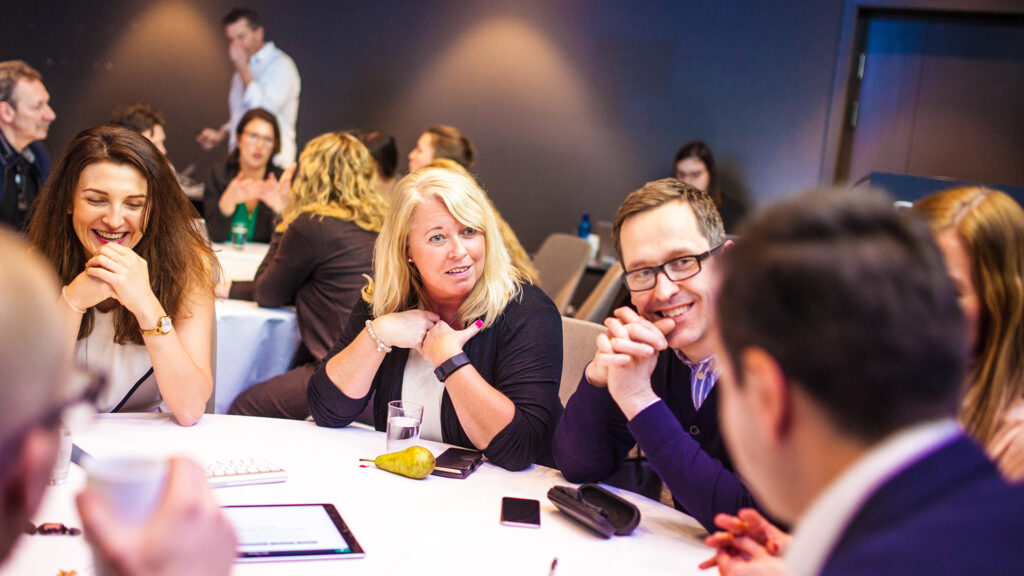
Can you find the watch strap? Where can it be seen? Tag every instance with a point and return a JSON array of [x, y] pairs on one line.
[[449, 366], [165, 319]]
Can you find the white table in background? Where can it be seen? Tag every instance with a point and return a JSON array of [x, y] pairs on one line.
[[240, 264], [253, 343], [424, 527]]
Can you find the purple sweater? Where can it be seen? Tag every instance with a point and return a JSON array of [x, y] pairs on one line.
[[684, 446]]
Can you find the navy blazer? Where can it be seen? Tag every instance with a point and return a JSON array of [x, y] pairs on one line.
[[948, 513]]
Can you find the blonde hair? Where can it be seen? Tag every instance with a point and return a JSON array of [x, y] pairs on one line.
[[397, 286], [336, 177], [991, 226]]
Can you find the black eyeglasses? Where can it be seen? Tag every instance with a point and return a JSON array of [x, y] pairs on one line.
[[676, 270], [86, 387]]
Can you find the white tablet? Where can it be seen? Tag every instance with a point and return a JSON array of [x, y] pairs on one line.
[[278, 532]]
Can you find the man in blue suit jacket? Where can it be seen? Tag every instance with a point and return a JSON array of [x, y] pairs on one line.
[[842, 349]]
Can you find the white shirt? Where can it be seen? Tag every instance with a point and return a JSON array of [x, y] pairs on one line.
[[420, 385], [819, 529], [123, 365], [275, 87]]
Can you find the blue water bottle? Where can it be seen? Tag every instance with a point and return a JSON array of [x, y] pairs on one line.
[[584, 230]]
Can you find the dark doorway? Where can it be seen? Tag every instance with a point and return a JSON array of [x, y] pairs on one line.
[[939, 95]]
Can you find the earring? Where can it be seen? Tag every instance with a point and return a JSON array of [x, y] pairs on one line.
[[410, 260]]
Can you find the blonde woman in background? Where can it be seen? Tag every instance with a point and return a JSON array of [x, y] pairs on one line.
[[317, 259]]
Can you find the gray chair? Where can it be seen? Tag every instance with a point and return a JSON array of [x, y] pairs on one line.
[[598, 305], [560, 262], [579, 343]]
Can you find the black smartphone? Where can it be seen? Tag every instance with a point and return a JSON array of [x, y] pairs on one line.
[[520, 512]]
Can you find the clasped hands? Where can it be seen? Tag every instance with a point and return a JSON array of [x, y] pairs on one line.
[[272, 192], [117, 272], [626, 355], [424, 332]]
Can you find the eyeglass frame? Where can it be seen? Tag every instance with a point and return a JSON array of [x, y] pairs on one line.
[[259, 138], [51, 417], [660, 268]]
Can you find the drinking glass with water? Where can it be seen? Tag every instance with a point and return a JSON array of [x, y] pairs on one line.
[[403, 429]]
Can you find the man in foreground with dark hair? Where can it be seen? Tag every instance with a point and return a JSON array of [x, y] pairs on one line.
[[842, 349], [187, 533], [265, 77]]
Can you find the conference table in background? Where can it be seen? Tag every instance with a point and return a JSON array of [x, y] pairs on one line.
[[423, 527], [253, 343]]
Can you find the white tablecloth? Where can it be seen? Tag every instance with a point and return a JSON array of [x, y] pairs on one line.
[[423, 527], [240, 264], [253, 343]]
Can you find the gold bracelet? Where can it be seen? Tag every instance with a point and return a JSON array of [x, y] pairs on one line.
[[64, 293]]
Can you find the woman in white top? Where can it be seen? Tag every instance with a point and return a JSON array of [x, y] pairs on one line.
[[137, 285]]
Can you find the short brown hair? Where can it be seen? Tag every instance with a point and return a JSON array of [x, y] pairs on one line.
[[659, 192], [449, 142], [10, 72], [140, 117]]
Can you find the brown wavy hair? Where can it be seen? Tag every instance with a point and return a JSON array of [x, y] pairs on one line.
[[991, 226], [177, 254]]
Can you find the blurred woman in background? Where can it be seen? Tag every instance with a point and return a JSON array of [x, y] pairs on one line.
[[981, 234], [694, 164], [246, 192]]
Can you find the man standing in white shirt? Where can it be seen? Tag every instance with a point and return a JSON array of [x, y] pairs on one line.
[[265, 77]]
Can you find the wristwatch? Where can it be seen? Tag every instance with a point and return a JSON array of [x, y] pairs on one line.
[[163, 326], [451, 365]]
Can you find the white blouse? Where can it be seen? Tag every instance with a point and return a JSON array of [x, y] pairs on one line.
[[420, 385], [123, 365]]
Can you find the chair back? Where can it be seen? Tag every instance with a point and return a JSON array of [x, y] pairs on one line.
[[598, 305], [560, 263], [579, 343]]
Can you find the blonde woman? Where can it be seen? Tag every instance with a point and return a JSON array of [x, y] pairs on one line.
[[981, 233], [317, 259], [450, 323]]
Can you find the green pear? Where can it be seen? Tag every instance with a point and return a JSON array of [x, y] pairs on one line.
[[415, 462]]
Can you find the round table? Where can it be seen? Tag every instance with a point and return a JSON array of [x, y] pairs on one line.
[[432, 526]]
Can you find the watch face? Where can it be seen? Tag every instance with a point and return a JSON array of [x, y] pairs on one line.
[[165, 324]]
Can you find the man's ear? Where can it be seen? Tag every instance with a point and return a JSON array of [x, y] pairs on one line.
[[769, 392], [7, 112]]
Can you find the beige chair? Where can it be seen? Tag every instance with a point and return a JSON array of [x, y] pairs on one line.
[[579, 343], [560, 263], [598, 305]]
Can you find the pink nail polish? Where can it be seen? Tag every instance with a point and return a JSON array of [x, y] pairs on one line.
[[479, 323]]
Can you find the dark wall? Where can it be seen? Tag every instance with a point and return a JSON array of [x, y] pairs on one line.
[[571, 104]]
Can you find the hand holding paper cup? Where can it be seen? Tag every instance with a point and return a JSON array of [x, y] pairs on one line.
[[178, 528]]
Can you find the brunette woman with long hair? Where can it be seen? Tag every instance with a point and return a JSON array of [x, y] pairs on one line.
[[136, 273]]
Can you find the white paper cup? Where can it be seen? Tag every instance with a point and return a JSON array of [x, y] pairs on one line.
[[59, 475], [132, 486]]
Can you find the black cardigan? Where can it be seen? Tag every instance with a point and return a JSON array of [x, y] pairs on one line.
[[520, 355]]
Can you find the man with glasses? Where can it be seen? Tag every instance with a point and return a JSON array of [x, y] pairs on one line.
[[25, 117], [651, 382], [186, 535]]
